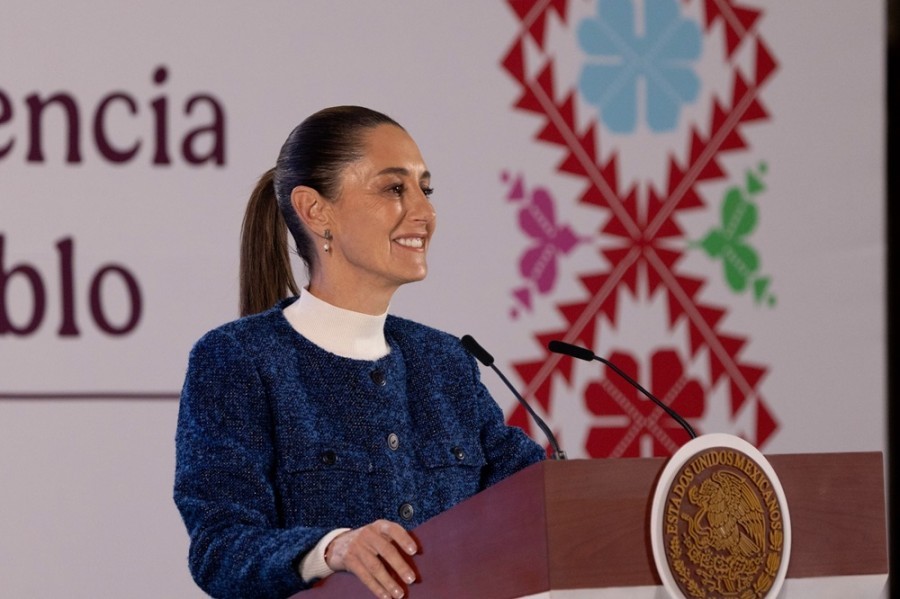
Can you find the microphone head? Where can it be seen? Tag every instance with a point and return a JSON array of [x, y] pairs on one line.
[[476, 350], [561, 347]]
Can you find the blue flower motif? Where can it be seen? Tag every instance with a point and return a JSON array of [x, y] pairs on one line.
[[663, 57]]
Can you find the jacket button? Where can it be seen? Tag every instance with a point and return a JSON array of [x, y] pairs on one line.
[[458, 453], [329, 457], [393, 441], [406, 511], [378, 378]]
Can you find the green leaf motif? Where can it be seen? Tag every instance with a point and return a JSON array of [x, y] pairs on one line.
[[741, 262], [739, 216], [714, 243], [728, 242], [761, 291], [754, 183]]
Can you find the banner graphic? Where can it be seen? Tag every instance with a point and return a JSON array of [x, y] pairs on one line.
[[642, 64]]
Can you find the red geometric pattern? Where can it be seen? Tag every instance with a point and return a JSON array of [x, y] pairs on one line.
[[628, 417], [639, 227]]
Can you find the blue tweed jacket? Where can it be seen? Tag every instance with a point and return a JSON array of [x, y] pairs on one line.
[[280, 441]]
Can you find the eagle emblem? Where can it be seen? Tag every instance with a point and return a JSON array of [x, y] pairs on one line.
[[720, 522], [729, 518]]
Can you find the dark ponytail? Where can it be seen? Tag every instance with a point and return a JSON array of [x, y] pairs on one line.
[[266, 274], [315, 154]]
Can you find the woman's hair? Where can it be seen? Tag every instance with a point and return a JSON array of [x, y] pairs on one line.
[[315, 155]]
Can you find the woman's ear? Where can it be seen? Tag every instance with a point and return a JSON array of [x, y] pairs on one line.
[[311, 208]]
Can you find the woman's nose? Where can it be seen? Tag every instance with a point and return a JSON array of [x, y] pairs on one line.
[[421, 208]]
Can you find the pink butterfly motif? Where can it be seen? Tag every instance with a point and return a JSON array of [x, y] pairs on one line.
[[538, 221], [550, 240]]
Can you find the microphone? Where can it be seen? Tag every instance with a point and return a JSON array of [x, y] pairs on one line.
[[487, 359], [560, 347]]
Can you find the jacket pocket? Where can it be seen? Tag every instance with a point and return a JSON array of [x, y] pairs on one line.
[[452, 453], [330, 485], [453, 468], [330, 458]]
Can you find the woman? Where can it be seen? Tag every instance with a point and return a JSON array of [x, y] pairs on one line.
[[314, 433]]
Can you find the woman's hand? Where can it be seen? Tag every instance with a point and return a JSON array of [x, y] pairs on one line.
[[373, 554]]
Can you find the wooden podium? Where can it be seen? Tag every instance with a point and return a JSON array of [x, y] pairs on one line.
[[583, 524]]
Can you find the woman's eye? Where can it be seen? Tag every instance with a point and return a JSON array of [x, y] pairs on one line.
[[400, 189]]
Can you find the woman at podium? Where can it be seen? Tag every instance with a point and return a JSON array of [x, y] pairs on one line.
[[316, 430]]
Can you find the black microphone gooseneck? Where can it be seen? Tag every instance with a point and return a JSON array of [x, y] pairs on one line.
[[487, 359], [561, 347]]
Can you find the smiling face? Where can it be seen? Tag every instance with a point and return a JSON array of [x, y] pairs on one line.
[[382, 219]]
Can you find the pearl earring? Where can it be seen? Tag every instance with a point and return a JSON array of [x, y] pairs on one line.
[[328, 238]]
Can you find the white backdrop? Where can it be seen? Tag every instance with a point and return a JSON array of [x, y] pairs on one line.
[[87, 417]]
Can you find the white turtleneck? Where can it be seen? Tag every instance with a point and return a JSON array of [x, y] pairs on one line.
[[343, 332], [347, 334]]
